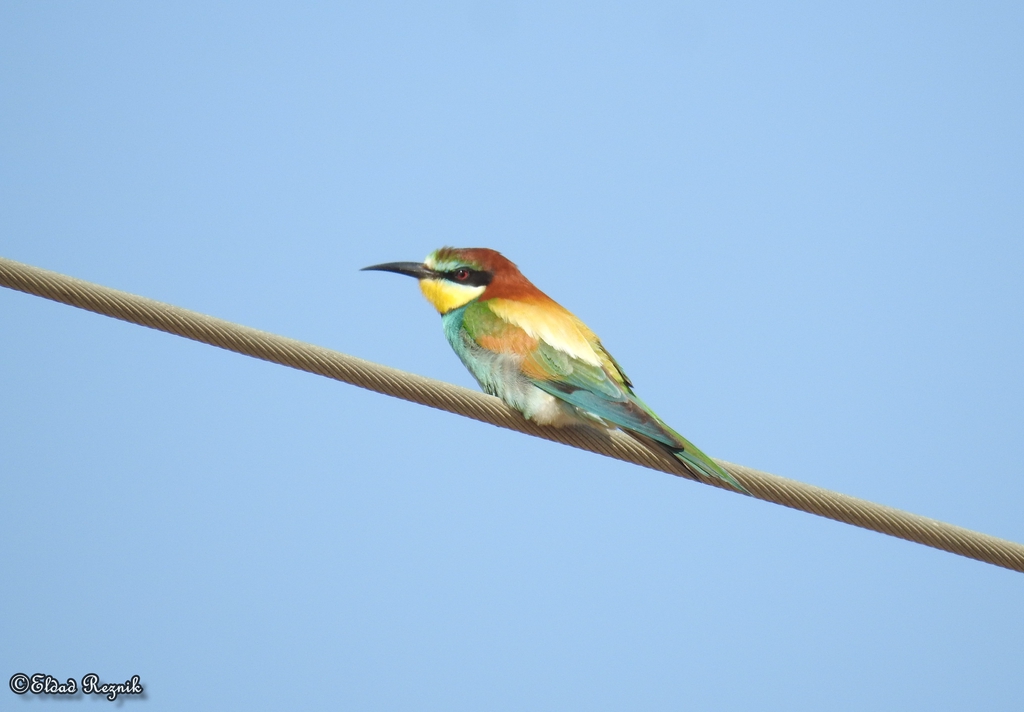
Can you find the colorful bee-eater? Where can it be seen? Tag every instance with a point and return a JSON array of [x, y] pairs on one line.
[[525, 348]]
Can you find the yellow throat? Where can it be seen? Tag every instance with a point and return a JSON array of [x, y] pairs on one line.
[[445, 295]]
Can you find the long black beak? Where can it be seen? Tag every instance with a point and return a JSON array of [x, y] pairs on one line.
[[412, 269]]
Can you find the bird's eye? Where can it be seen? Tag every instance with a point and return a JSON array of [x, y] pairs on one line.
[[462, 274]]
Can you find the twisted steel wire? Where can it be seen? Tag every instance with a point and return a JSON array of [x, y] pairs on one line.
[[488, 409]]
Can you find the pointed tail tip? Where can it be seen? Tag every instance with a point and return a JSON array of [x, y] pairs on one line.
[[709, 468]]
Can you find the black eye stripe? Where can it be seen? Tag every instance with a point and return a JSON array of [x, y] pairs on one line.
[[475, 278]]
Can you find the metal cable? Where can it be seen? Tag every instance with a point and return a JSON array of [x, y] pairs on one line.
[[485, 408]]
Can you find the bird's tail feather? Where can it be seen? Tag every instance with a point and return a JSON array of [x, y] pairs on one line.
[[694, 459]]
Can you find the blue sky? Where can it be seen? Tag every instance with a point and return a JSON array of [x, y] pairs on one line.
[[797, 226]]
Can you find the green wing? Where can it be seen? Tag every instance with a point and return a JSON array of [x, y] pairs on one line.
[[589, 388]]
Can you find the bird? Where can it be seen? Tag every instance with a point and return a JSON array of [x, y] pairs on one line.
[[534, 354]]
